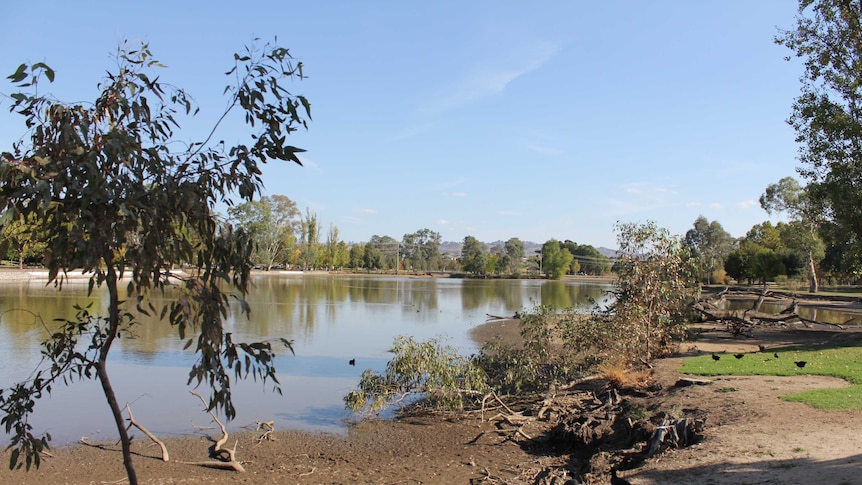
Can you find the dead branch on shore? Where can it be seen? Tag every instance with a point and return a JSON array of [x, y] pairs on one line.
[[742, 322], [132, 422], [268, 428], [228, 456]]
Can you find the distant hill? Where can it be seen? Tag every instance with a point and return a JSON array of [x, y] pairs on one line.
[[610, 253]]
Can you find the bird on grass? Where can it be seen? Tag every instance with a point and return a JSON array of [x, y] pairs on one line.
[[800, 363], [615, 480], [715, 357], [775, 355], [739, 356], [352, 362]]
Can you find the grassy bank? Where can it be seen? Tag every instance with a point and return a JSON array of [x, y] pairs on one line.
[[841, 362]]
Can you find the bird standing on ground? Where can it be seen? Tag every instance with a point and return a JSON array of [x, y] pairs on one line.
[[775, 355], [739, 356], [761, 347], [715, 357], [800, 363]]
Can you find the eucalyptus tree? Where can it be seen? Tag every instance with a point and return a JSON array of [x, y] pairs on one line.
[[474, 256], [515, 252], [764, 253], [421, 249], [710, 245], [389, 250], [802, 233], [356, 257], [827, 115], [273, 223], [655, 292], [121, 199]]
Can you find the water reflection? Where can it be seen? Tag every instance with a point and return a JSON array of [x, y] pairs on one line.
[[331, 319]]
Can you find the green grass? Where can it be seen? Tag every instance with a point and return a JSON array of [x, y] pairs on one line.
[[841, 362]]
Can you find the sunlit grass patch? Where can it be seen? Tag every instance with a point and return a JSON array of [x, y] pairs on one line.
[[841, 362]]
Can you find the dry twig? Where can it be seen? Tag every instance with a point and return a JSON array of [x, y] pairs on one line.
[[132, 422]]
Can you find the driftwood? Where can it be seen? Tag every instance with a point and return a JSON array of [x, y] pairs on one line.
[[513, 418], [132, 422], [227, 456], [268, 428]]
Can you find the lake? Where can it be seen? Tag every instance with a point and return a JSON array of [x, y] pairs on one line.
[[330, 319]]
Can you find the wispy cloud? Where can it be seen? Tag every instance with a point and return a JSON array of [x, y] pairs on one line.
[[509, 213], [455, 194], [310, 164], [639, 197], [543, 150], [442, 222], [491, 78], [649, 190], [748, 204], [366, 212], [415, 130], [715, 205]]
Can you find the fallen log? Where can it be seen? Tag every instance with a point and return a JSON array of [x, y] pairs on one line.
[[742, 321]]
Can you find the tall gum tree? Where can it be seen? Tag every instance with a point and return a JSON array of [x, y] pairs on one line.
[[120, 199], [787, 196], [827, 115]]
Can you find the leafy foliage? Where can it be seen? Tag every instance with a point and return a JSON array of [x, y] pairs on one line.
[[826, 115], [514, 248], [474, 255], [555, 260], [587, 259], [801, 234], [119, 200], [548, 353], [445, 378], [710, 245], [421, 250], [272, 223], [654, 301]]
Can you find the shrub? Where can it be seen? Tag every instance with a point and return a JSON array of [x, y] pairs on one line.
[[446, 379]]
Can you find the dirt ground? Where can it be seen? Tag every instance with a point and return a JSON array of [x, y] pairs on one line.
[[751, 437]]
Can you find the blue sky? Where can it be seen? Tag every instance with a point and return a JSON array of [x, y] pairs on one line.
[[492, 119]]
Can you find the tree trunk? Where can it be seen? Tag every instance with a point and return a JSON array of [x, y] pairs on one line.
[[116, 411], [813, 285]]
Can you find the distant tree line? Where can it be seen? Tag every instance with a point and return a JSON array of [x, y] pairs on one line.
[[285, 237], [807, 247]]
